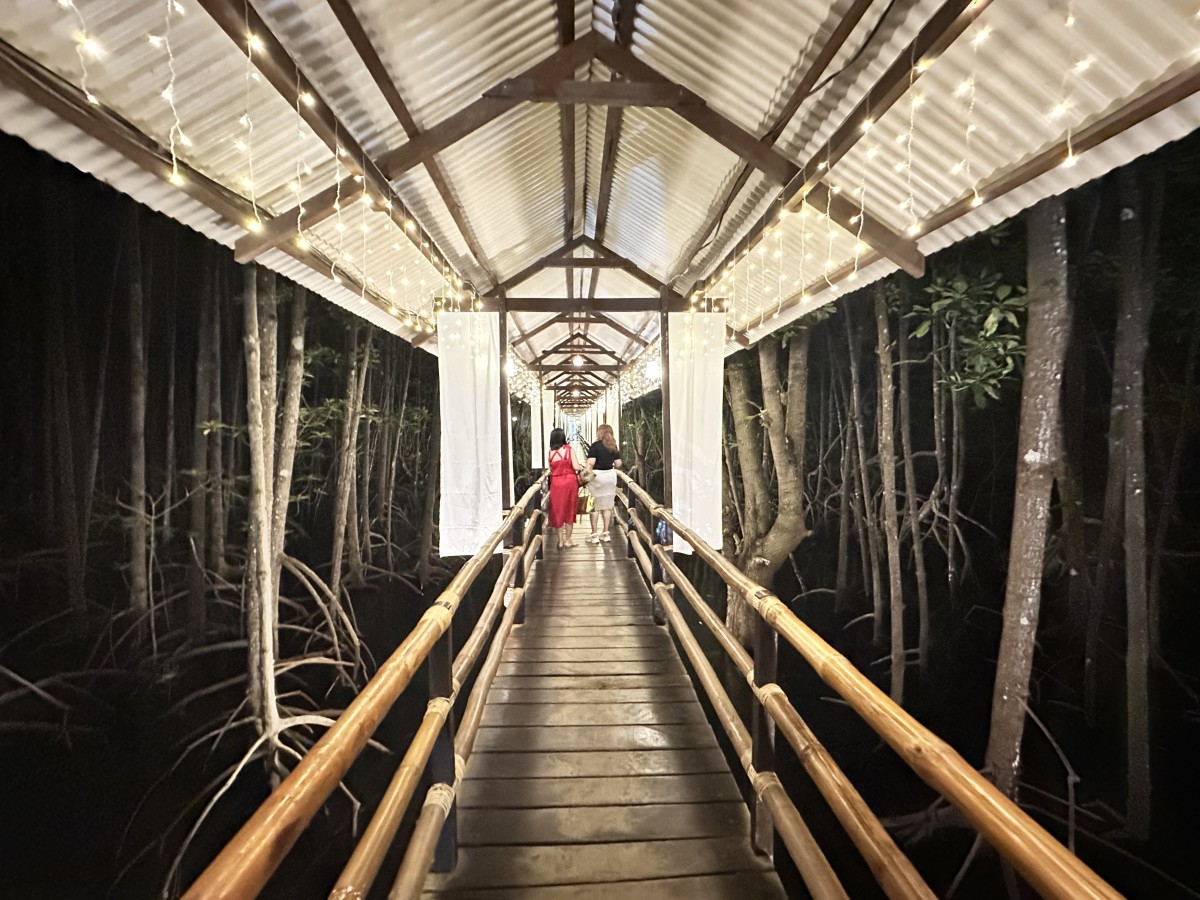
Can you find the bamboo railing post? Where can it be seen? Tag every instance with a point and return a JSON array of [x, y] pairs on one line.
[[442, 759], [658, 574], [516, 538], [541, 502], [762, 729]]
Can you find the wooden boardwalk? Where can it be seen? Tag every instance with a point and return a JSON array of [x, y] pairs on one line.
[[595, 773]]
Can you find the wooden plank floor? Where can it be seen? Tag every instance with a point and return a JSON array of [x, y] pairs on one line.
[[595, 773]]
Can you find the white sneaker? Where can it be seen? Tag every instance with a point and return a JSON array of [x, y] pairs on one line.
[[594, 539], [606, 537]]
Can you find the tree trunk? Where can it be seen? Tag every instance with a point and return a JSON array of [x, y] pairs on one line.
[[261, 597], [1187, 413], [289, 420], [198, 501], [347, 458], [841, 603], [1047, 336], [432, 488], [63, 460], [139, 577], [886, 424], [216, 439], [911, 506], [1139, 226], [169, 452], [864, 482]]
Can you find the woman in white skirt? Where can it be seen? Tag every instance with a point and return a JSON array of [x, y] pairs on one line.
[[605, 459]]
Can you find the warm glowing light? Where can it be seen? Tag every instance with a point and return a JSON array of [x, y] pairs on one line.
[[1059, 111], [868, 124], [1070, 160], [302, 242], [307, 99], [254, 225], [176, 179], [1083, 65], [90, 46], [255, 42], [577, 361], [914, 229], [977, 201], [980, 36]]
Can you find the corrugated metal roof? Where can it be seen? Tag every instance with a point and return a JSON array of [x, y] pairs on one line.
[[743, 57]]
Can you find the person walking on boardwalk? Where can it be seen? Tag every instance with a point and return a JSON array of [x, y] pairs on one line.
[[564, 487], [605, 458]]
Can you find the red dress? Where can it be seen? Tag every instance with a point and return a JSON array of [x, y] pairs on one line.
[[564, 487]]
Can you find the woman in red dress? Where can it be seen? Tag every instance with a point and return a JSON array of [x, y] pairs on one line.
[[564, 487]]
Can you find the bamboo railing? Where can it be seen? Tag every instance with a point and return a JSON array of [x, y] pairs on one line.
[[1042, 860], [246, 863]]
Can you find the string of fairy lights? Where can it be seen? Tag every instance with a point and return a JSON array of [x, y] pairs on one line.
[[416, 302], [764, 275]]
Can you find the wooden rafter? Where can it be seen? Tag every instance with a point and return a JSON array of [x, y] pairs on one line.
[[584, 318], [1095, 133], [565, 17], [415, 152], [67, 102], [902, 250], [391, 93], [598, 305], [934, 38], [624, 14], [570, 92], [276, 65], [841, 33]]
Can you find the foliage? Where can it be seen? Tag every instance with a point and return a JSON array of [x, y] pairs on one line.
[[981, 316]]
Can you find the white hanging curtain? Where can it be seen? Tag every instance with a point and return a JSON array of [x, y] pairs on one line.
[[612, 403], [538, 434], [696, 367], [549, 420], [469, 376]]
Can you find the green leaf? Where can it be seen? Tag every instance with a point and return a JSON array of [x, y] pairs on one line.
[[990, 323], [1003, 291], [921, 330]]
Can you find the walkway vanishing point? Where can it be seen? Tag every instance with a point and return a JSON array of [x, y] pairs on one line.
[[595, 773], [582, 765]]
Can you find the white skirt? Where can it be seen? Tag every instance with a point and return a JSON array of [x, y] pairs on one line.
[[604, 489]]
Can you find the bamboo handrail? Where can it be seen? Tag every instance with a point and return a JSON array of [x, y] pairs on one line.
[[1044, 862], [243, 866], [819, 877], [894, 871], [361, 869], [418, 856]]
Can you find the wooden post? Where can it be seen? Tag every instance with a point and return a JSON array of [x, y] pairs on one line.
[[766, 655], [516, 538], [506, 482], [665, 354], [441, 759], [664, 351]]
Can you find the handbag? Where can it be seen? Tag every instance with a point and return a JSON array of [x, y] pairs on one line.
[[586, 475], [583, 503]]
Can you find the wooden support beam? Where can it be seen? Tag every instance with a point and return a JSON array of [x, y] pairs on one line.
[[578, 262], [284, 75], [374, 64], [584, 318], [429, 143], [845, 27], [934, 38], [762, 155], [67, 102], [1093, 134], [599, 305], [568, 367], [596, 93]]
